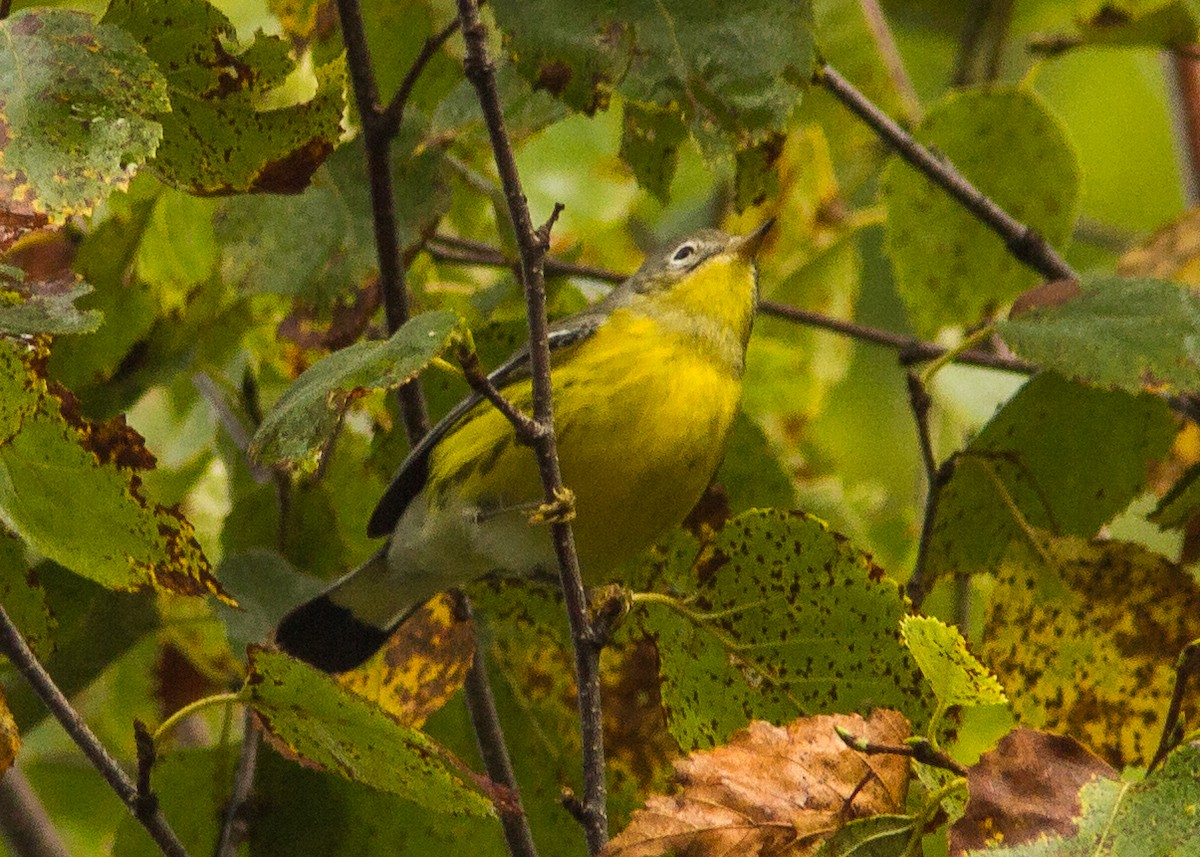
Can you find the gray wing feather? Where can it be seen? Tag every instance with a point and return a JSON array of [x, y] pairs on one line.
[[410, 477]]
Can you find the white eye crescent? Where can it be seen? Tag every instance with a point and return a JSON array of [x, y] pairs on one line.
[[682, 253]]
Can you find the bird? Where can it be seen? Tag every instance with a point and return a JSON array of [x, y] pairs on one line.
[[646, 386]]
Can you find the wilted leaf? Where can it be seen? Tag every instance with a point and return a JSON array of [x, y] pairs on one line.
[[1178, 505], [76, 101], [310, 719], [1038, 457], [1028, 787], [420, 667], [1162, 23], [650, 145], [1016, 152], [1127, 334], [70, 488], [296, 429], [1084, 637], [1120, 819], [1172, 253], [763, 634], [956, 677], [219, 139], [772, 791]]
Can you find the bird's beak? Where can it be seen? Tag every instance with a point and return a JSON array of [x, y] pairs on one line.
[[746, 246]]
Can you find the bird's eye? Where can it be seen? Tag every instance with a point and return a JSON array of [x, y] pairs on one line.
[[683, 253]]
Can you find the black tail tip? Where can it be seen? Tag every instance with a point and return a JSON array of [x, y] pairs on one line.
[[328, 636]]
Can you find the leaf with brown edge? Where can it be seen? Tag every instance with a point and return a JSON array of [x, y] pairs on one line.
[[1026, 788], [70, 488], [772, 790], [421, 667], [1084, 635]]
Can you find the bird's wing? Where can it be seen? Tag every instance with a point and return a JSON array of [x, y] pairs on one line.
[[410, 477]]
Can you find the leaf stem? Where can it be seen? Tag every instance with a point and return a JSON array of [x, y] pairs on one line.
[[980, 336], [936, 477], [14, 647], [191, 708], [533, 244], [233, 824], [1023, 242]]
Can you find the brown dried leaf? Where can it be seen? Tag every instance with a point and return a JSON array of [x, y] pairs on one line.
[[772, 791], [1172, 253], [1025, 788], [421, 667]]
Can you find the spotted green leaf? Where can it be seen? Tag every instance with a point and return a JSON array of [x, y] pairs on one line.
[[80, 107], [30, 306], [69, 487], [226, 132], [309, 718], [1034, 464], [1015, 151], [1084, 637], [763, 632], [956, 676], [1117, 332], [304, 418]]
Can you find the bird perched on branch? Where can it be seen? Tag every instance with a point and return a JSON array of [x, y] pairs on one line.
[[646, 386]]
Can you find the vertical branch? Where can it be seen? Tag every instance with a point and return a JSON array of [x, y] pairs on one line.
[[981, 47], [378, 143], [1185, 80], [481, 706], [14, 647], [233, 828], [935, 478], [533, 244], [890, 53]]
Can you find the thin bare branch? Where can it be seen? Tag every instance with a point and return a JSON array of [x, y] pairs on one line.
[[383, 204], [1023, 242], [393, 114], [14, 647], [936, 478], [233, 827], [481, 706], [533, 244], [28, 830]]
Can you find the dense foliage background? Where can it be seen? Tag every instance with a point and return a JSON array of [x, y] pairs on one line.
[[187, 225]]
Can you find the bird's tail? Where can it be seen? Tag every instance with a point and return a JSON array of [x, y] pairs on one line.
[[349, 622]]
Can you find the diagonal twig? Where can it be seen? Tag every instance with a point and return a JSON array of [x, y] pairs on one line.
[[14, 647], [1023, 242]]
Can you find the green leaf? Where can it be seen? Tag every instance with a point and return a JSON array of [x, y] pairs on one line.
[[1121, 819], [266, 587], [226, 134], [321, 244], [874, 836], [302, 811], [1123, 333], [69, 488], [1162, 23], [304, 418], [1035, 463], [732, 74], [309, 718], [1084, 636], [1015, 151], [1178, 505], [752, 473], [955, 675], [650, 145], [50, 308], [79, 111], [763, 634]]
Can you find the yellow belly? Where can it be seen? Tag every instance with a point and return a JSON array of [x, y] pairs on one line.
[[642, 422]]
